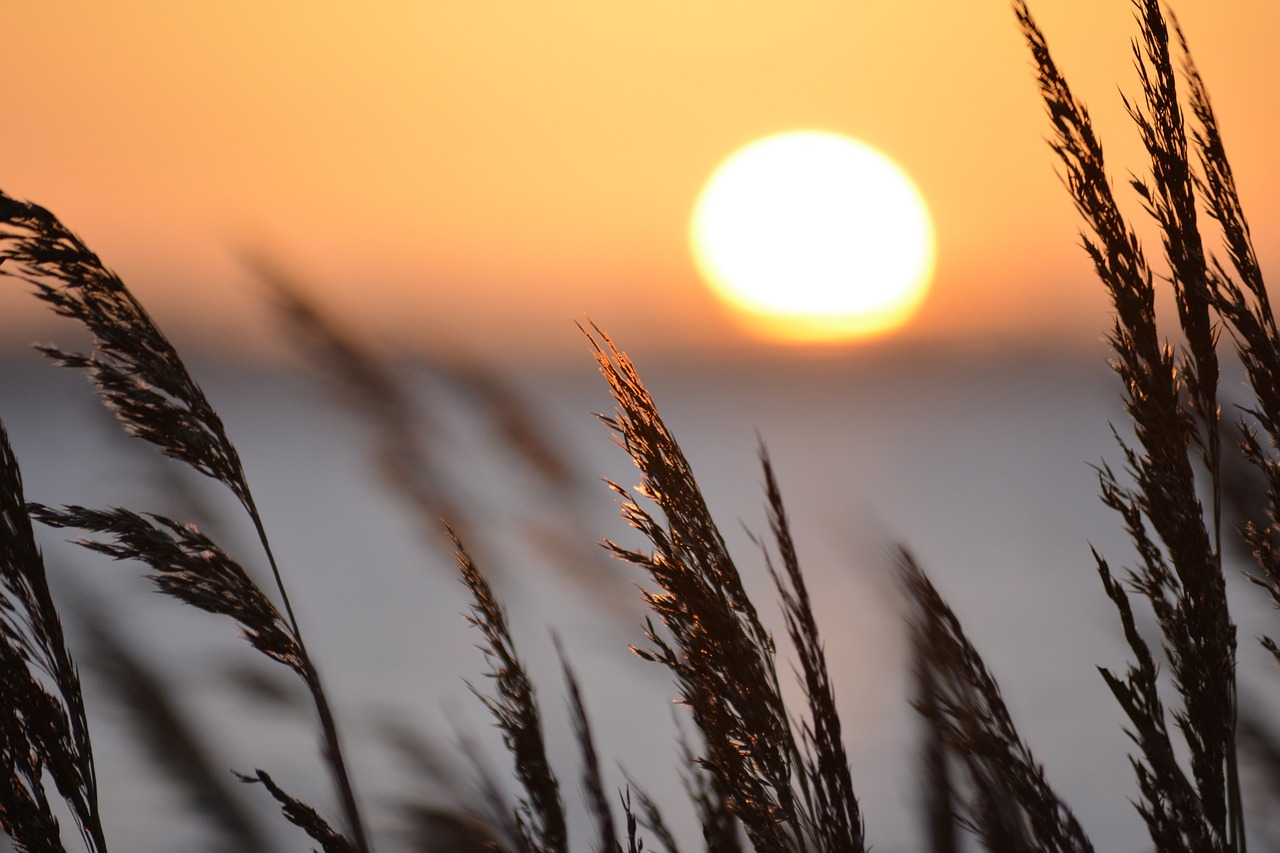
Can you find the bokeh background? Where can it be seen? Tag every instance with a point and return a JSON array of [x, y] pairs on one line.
[[457, 184]]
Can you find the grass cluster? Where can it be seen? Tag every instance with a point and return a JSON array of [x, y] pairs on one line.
[[761, 774]]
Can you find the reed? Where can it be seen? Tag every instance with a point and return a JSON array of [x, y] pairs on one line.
[[145, 383], [760, 775]]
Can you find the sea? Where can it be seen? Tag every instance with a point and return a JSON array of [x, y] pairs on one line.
[[981, 464]]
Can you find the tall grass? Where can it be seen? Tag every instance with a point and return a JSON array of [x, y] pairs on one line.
[[762, 775]]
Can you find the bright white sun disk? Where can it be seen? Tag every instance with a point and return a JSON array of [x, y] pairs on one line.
[[815, 236]]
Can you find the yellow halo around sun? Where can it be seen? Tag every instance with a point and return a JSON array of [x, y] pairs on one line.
[[813, 236]]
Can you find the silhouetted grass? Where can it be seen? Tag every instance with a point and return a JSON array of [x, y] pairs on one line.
[[759, 775], [144, 382]]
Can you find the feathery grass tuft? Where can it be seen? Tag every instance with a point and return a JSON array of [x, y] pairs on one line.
[[1239, 294], [539, 813], [144, 382], [1172, 402], [187, 566], [134, 367], [719, 652], [365, 384], [758, 777], [722, 657]]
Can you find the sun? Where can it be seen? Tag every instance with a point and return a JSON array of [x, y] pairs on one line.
[[813, 236]]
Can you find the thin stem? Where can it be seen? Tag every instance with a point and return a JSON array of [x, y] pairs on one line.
[[328, 724]]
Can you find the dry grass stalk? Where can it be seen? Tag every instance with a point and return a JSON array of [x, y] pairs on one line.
[[302, 815], [635, 844], [1239, 294], [834, 814], [751, 773], [720, 654], [1178, 543], [651, 819], [539, 814], [144, 382]]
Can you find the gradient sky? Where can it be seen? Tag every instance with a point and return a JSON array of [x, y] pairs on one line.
[[486, 173]]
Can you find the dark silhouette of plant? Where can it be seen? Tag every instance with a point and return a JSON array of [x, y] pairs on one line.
[[144, 382], [42, 719]]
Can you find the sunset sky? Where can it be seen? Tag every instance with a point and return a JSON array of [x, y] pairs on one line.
[[485, 174]]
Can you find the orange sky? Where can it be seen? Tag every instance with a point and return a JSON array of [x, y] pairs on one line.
[[489, 172]]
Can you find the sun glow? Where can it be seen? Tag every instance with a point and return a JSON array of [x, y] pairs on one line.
[[813, 236]]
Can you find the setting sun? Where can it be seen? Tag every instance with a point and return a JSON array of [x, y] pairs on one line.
[[813, 236]]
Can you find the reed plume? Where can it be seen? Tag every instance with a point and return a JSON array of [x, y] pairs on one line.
[[717, 649], [410, 454], [144, 382], [836, 818], [365, 384], [538, 818], [1239, 293], [1172, 402]]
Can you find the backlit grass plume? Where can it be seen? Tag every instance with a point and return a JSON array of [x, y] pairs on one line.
[[1172, 401], [365, 384], [133, 366], [411, 452], [1239, 294], [716, 647]]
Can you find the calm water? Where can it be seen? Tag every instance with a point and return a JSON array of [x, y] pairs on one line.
[[979, 465]]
